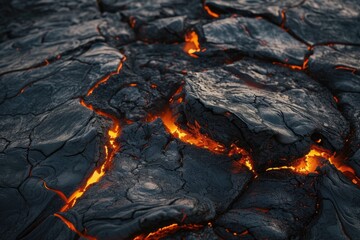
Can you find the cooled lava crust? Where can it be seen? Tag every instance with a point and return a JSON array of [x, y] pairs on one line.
[[179, 119]]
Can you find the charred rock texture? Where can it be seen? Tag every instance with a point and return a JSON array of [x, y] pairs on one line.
[[179, 119]]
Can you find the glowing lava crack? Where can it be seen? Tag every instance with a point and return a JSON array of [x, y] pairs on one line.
[[110, 150]]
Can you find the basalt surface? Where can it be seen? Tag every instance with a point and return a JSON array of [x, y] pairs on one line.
[[179, 119]]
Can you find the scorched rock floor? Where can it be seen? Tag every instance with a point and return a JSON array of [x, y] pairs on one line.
[[179, 119]]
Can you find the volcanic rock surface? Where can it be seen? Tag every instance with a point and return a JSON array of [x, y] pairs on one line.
[[179, 119]]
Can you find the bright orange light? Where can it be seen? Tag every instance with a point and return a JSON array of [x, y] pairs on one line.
[[192, 44], [210, 12], [280, 168], [99, 172], [113, 133], [193, 136], [311, 161], [106, 78], [245, 156], [166, 231], [73, 228], [293, 67], [353, 70], [305, 63], [59, 193]]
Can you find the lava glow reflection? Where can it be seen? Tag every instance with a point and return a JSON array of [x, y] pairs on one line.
[[167, 230], [192, 44], [194, 136], [312, 160]]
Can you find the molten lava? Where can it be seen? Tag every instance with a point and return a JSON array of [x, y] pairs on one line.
[[99, 172], [106, 78], [312, 160], [210, 12], [245, 156], [192, 44], [73, 228], [353, 70], [166, 231], [193, 136], [293, 67], [110, 149], [59, 193]]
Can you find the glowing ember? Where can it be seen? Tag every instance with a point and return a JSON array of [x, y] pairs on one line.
[[210, 12], [106, 78], [293, 67], [305, 63], [59, 193], [193, 136], [192, 44], [73, 228], [166, 231], [99, 172], [113, 133], [311, 161], [283, 18], [245, 156], [353, 70]]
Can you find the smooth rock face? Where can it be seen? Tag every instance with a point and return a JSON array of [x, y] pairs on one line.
[[122, 103]]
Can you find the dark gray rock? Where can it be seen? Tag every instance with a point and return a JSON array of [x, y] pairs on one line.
[[262, 106], [65, 80], [157, 181], [339, 214], [268, 8], [277, 205], [253, 37], [337, 67], [316, 21]]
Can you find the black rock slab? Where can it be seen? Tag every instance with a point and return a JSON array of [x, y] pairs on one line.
[[269, 8], [36, 49], [38, 90], [263, 107], [350, 103], [316, 21], [157, 181], [337, 67], [339, 214], [253, 37], [276, 205]]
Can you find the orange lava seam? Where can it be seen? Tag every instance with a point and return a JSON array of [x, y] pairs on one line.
[[192, 44], [106, 78], [73, 228], [311, 161], [167, 230], [210, 12]]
